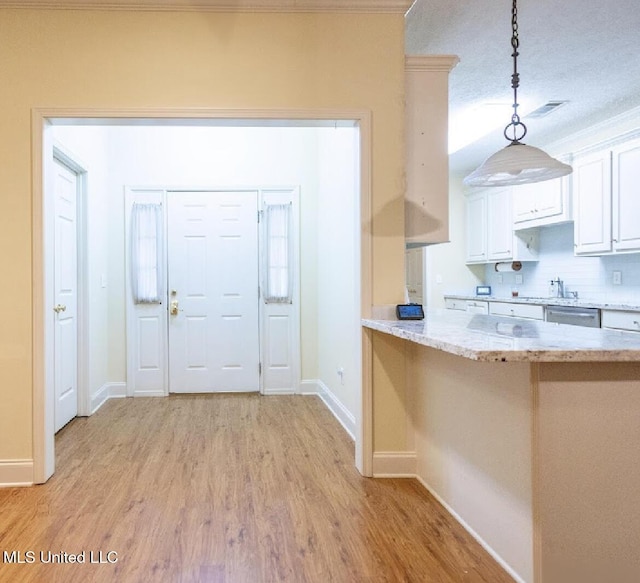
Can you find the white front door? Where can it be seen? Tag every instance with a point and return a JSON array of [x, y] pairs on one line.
[[213, 291], [65, 295]]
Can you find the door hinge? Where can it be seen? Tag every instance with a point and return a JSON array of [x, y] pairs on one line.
[[260, 215], [259, 368]]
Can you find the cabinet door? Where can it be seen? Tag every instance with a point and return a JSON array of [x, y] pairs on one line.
[[427, 161], [626, 197], [476, 206], [592, 198], [541, 203], [549, 198], [524, 202], [499, 225]]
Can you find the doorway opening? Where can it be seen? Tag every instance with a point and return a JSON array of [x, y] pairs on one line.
[[336, 202]]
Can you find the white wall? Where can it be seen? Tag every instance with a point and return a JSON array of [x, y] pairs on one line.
[[220, 157], [339, 265], [591, 277], [314, 158]]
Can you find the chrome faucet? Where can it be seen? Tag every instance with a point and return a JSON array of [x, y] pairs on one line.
[[558, 285]]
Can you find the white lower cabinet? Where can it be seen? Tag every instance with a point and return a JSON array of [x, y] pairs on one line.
[[476, 307], [621, 320], [528, 311], [473, 306], [452, 304]]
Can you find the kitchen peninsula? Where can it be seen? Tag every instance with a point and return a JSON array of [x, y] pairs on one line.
[[529, 433]]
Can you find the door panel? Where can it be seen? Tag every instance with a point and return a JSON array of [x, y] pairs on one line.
[[65, 295], [213, 277], [146, 322], [281, 321]]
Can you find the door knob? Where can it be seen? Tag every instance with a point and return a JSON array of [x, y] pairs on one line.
[[173, 310], [59, 308]]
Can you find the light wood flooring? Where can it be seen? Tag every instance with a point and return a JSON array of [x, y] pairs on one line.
[[229, 489]]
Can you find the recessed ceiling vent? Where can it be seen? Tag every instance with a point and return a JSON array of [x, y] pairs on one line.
[[547, 108]]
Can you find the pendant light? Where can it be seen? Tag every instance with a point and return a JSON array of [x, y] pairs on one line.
[[516, 163]]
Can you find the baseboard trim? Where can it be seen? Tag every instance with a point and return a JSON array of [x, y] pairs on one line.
[[472, 532], [106, 392], [279, 392], [340, 412], [394, 464], [15, 473], [155, 393]]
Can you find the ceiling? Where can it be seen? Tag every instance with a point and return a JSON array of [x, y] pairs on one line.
[[582, 51]]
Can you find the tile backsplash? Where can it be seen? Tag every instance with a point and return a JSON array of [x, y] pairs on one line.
[[591, 277]]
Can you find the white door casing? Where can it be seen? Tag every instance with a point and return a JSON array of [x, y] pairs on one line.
[[42, 362], [213, 291], [65, 295]]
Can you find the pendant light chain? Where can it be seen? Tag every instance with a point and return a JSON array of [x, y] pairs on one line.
[[516, 163], [515, 81]]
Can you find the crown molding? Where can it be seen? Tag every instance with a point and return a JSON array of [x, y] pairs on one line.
[[430, 62], [354, 6]]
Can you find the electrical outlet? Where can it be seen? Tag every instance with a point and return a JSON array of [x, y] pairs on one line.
[[438, 278], [500, 278], [518, 278], [617, 278]]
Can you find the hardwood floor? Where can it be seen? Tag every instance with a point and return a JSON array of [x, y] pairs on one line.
[[229, 489]]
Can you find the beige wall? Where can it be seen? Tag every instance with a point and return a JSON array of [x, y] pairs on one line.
[[85, 59]]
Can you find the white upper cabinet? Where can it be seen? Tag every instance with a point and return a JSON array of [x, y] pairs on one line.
[[592, 203], [606, 191], [542, 203], [427, 160], [626, 196], [490, 234], [476, 205], [499, 227]]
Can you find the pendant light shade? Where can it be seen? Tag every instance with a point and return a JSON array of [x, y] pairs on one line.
[[517, 164]]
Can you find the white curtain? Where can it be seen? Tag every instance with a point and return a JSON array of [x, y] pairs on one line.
[[278, 287], [146, 253]]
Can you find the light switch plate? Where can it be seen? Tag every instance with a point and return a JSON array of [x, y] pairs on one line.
[[617, 278]]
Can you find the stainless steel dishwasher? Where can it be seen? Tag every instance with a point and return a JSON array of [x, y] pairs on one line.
[[589, 317]]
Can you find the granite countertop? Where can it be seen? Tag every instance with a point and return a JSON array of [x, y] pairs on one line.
[[579, 303], [506, 339]]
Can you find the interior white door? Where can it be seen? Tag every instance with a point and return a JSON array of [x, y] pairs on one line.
[[65, 295], [213, 291]]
